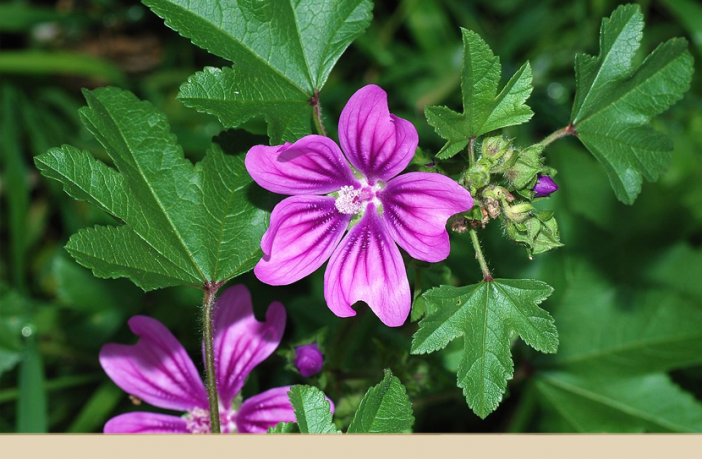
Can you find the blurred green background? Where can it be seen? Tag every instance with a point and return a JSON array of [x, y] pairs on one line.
[[55, 316]]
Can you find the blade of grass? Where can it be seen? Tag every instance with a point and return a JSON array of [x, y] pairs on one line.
[[59, 63], [32, 403], [16, 189], [96, 409]]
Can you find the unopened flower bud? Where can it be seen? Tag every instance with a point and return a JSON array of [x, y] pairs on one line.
[[544, 186], [308, 359], [527, 164], [495, 147], [518, 212]]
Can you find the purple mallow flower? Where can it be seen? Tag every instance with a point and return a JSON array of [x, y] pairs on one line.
[[158, 370], [308, 359], [544, 186], [308, 228]]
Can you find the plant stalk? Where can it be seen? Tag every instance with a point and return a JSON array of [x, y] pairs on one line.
[[207, 306], [471, 151], [566, 131], [487, 276], [317, 114]]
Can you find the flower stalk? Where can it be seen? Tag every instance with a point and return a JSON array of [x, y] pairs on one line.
[[207, 306], [566, 131], [487, 276], [317, 114], [471, 151]]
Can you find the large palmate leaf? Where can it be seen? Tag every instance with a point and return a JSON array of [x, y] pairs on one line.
[[282, 53], [641, 332], [484, 110], [615, 101], [384, 409], [651, 403], [486, 314], [183, 223], [609, 373]]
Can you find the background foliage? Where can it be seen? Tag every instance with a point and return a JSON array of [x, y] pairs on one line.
[[627, 299]]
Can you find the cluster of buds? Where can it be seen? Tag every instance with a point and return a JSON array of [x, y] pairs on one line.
[[500, 175]]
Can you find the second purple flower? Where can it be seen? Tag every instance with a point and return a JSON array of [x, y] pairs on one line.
[[381, 209]]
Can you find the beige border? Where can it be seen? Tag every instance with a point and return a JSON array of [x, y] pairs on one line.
[[351, 446]]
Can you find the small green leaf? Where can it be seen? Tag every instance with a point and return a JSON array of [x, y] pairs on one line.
[[486, 314], [184, 224], [282, 428], [651, 403], [484, 110], [282, 52], [385, 408], [615, 101], [312, 410]]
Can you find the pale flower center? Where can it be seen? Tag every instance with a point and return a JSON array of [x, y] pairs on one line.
[[352, 200], [197, 421]]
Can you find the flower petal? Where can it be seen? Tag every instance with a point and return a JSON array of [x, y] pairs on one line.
[[416, 207], [140, 422], [304, 232], [264, 410], [377, 143], [240, 341], [312, 165], [156, 369], [367, 266]]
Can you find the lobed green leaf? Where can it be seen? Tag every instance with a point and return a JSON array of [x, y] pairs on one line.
[[282, 53], [484, 110], [183, 223], [486, 314], [615, 101]]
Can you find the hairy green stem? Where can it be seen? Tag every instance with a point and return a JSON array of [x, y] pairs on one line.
[[479, 256], [566, 131], [207, 306], [317, 114], [471, 151]]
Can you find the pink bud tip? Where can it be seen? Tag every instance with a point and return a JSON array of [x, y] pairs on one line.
[[544, 186], [308, 359]]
